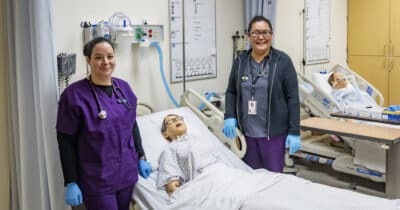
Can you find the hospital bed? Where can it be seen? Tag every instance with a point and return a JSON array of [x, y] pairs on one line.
[[315, 91], [343, 156], [207, 125]]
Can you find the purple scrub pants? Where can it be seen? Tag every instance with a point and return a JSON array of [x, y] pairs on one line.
[[264, 153], [119, 200]]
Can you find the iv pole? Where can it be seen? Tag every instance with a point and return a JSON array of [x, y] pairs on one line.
[[183, 47]]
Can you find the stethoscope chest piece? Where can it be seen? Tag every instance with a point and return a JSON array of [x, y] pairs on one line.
[[102, 114], [245, 78]]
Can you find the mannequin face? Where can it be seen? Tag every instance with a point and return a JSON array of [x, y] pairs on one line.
[[339, 81], [175, 127]]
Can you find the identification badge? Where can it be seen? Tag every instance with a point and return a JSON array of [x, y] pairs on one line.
[[252, 107]]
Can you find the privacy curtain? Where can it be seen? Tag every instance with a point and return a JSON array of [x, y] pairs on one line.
[[267, 8], [36, 177]]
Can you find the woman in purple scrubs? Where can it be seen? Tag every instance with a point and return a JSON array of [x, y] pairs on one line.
[[99, 140]]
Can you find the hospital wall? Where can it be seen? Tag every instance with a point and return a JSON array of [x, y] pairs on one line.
[[140, 66], [289, 32], [4, 147]]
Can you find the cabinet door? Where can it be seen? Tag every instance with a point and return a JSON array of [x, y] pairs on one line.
[[368, 27], [395, 27], [394, 74], [394, 81], [374, 69]]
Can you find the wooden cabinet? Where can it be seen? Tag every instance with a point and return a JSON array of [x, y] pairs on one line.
[[373, 69], [374, 44]]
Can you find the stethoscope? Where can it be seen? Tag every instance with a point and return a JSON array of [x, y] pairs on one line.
[[264, 69], [261, 73], [120, 100]]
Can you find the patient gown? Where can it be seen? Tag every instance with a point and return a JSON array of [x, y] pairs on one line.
[[349, 96], [184, 158]]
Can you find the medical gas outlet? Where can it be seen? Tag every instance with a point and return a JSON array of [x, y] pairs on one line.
[[134, 34], [138, 34], [120, 30], [150, 33]]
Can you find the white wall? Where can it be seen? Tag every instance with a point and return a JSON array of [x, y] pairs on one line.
[[288, 34], [140, 67]]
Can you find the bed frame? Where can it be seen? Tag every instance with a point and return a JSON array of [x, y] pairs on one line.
[[214, 119]]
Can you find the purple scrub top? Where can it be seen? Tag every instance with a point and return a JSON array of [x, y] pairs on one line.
[[106, 151]]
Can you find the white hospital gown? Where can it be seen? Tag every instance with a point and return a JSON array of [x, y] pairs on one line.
[[184, 158], [348, 96]]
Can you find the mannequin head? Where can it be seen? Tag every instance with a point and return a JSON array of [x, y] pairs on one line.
[[337, 80], [173, 127]]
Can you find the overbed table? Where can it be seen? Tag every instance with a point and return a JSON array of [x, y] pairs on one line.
[[384, 135]]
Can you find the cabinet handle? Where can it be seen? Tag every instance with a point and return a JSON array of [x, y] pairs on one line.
[[391, 64], [384, 63]]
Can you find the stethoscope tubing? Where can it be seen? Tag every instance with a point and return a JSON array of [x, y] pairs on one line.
[[121, 100]]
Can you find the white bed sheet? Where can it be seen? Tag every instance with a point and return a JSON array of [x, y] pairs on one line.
[[211, 189]]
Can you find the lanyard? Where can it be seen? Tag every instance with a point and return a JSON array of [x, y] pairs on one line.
[[259, 74]]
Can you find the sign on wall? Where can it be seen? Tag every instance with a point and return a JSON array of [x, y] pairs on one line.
[[192, 39], [317, 31]]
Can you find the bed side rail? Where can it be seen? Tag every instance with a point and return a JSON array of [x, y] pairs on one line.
[[214, 119], [317, 101], [144, 108], [362, 84]]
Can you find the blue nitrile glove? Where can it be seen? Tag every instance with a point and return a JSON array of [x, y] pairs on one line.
[[230, 128], [144, 168], [293, 143], [73, 194]]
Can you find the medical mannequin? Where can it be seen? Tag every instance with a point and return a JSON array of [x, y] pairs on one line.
[[345, 93], [99, 141], [184, 157], [262, 100], [195, 174]]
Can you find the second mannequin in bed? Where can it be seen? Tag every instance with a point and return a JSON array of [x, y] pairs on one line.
[[184, 158], [346, 94]]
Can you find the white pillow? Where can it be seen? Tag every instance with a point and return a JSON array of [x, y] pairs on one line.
[[150, 130], [321, 80]]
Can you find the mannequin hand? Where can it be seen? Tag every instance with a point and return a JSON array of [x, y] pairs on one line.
[[73, 194], [230, 128], [293, 143], [172, 186], [144, 168]]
